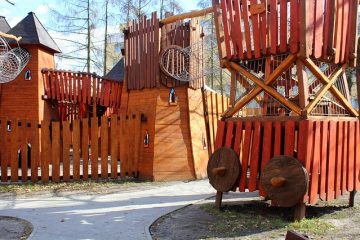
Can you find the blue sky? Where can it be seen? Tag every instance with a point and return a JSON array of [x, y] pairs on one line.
[[41, 8]]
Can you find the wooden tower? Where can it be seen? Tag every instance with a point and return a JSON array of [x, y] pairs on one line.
[[22, 98], [167, 136], [292, 127]]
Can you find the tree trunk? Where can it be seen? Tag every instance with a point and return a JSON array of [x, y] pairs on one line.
[[106, 35]]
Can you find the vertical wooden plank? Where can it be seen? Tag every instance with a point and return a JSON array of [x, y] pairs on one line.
[[123, 136], [328, 26], [345, 28], [220, 134], [338, 30], [229, 134], [14, 151], [289, 138], [104, 146], [245, 156], [55, 151], [339, 156], [45, 151], [94, 148], [310, 15], [114, 145], [319, 28], [314, 182], [283, 25], [277, 139], [255, 156], [224, 12], [353, 32], [76, 149], [273, 26], [137, 142], [245, 15], [266, 150], [324, 158], [23, 141], [66, 137], [3, 150], [351, 154], [357, 157], [331, 165], [238, 138], [256, 31], [344, 160], [264, 37], [85, 148], [294, 26], [237, 30]]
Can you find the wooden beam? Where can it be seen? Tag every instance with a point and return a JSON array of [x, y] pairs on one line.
[[254, 92], [219, 30], [323, 78], [303, 84], [10, 36], [324, 89], [192, 14], [233, 87]]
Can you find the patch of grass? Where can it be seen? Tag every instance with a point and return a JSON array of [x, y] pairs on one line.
[[256, 217], [71, 186]]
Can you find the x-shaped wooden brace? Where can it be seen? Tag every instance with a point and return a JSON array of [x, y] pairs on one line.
[[328, 86], [263, 86]]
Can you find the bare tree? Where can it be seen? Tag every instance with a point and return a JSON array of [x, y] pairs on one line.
[[171, 6]]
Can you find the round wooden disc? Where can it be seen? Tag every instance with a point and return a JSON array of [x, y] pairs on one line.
[[227, 160], [285, 180]]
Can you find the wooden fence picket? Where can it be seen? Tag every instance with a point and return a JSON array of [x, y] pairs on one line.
[[104, 146], [55, 151], [76, 149]]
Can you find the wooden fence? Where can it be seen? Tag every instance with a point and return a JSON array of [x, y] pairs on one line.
[[255, 28], [327, 149], [142, 53], [216, 105], [81, 149]]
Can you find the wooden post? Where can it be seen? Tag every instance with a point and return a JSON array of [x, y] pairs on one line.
[[299, 211], [303, 84], [219, 30], [303, 31], [218, 199], [352, 198]]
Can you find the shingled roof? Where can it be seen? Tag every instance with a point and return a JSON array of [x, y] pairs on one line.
[[117, 73], [33, 32], [4, 25]]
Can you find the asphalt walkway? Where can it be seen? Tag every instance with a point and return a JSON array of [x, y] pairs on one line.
[[126, 214]]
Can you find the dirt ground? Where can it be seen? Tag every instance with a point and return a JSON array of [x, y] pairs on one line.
[[250, 218]]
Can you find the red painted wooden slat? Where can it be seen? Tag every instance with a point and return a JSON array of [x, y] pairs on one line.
[[344, 160], [57, 86], [266, 150], [245, 15], [289, 138], [327, 21], [255, 156], [331, 165], [237, 30], [263, 29], [294, 26], [231, 13], [345, 28], [229, 134], [273, 26], [226, 27], [245, 156], [323, 158], [62, 90], [283, 25], [83, 88], [277, 139], [314, 182], [357, 156], [339, 156], [52, 82], [219, 142], [338, 30], [351, 154], [319, 28], [311, 23], [256, 31], [238, 138]]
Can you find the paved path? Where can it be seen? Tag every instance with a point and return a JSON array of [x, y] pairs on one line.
[[126, 214]]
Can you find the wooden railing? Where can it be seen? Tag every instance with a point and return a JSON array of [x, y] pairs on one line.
[[82, 149], [79, 87], [326, 29]]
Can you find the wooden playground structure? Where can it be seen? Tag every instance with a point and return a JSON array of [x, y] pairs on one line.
[[290, 132]]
